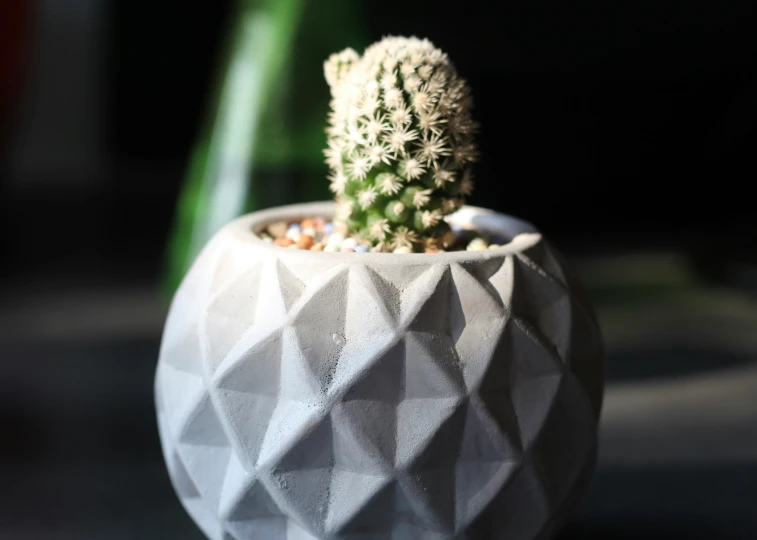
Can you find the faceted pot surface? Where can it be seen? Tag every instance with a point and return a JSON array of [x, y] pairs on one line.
[[311, 395]]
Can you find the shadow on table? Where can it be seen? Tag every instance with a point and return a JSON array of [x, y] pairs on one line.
[[669, 360], [671, 502]]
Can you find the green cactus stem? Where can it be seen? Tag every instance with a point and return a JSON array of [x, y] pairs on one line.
[[400, 142]]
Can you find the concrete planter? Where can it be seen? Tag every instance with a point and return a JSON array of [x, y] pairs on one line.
[[306, 395]]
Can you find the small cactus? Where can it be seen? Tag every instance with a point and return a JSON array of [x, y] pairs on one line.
[[400, 143]]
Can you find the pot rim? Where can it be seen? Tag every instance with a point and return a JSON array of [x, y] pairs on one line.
[[521, 233]]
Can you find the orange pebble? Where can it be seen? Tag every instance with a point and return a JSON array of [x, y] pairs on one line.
[[284, 242], [306, 241], [307, 223], [318, 247]]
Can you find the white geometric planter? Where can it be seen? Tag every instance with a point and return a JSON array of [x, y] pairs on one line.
[[311, 395]]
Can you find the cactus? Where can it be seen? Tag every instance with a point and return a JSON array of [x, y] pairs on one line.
[[400, 143]]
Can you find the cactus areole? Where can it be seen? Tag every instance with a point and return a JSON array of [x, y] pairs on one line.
[[400, 143]]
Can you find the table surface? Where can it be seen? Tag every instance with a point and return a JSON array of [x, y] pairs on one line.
[[80, 457]]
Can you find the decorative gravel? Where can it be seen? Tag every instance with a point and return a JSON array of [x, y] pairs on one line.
[[318, 234]]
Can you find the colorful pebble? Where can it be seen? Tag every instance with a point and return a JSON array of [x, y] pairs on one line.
[[305, 241], [293, 232], [284, 242], [278, 229], [317, 234]]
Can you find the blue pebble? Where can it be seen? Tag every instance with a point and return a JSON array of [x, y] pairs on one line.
[[295, 227], [328, 228], [361, 249]]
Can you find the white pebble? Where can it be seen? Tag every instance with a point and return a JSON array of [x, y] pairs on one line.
[[331, 248], [336, 240], [477, 244], [294, 234], [403, 249], [349, 243], [494, 246], [310, 231]]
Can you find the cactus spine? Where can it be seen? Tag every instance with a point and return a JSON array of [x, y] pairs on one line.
[[400, 143]]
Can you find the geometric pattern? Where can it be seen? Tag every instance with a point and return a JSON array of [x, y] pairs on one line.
[[306, 395]]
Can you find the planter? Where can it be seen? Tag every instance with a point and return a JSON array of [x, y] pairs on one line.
[[306, 395]]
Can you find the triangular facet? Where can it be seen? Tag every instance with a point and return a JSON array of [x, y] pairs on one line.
[[390, 295], [430, 309], [417, 422], [473, 305], [544, 302], [369, 329], [368, 315], [365, 419], [373, 518], [364, 436], [272, 528], [531, 354], [502, 281], [484, 269], [297, 381], [520, 510], [384, 380], [432, 369], [181, 349], [180, 392], [303, 476], [320, 328], [350, 493], [183, 484], [255, 503], [229, 266], [535, 374], [202, 426], [481, 441], [257, 371], [231, 314], [431, 497], [477, 484], [248, 429], [290, 286], [236, 482], [400, 276]]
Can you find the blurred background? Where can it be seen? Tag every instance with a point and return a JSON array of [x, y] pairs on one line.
[[130, 131]]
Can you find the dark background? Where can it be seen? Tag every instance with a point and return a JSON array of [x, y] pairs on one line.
[[624, 130]]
